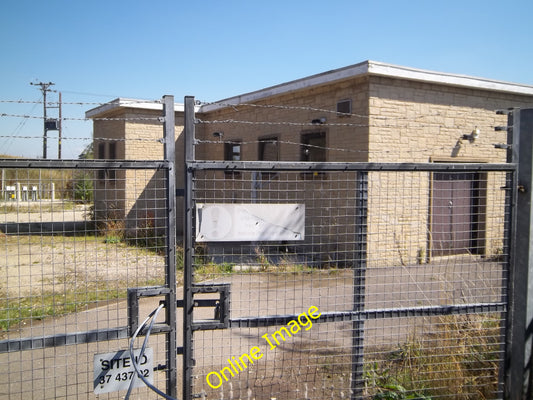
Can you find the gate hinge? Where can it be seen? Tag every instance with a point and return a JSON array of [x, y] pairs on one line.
[[221, 305]]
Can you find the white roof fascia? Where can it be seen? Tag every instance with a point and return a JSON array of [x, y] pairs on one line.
[[130, 103], [395, 71]]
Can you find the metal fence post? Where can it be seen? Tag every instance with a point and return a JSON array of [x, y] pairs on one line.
[[188, 250], [358, 325], [170, 273], [521, 294]]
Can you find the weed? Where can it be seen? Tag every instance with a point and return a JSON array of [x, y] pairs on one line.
[[15, 312], [459, 358]]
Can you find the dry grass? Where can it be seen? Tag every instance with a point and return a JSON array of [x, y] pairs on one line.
[[458, 359]]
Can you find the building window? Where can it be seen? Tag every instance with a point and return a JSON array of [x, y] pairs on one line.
[[268, 149], [112, 154], [101, 151], [100, 154], [107, 151], [313, 150], [313, 147], [232, 152], [344, 108]]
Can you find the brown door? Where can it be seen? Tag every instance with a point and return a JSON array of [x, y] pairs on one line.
[[453, 217]]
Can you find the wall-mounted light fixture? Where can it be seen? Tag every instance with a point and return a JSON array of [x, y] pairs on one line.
[[473, 136], [319, 121], [218, 135]]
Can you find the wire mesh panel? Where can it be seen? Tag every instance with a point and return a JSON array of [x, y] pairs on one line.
[[73, 241], [388, 291]]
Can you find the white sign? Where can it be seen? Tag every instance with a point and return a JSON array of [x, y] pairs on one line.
[[249, 222], [114, 371]]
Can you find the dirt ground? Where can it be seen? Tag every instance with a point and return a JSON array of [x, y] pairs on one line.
[[44, 248]]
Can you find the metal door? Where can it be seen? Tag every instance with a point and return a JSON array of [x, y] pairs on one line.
[[453, 213]]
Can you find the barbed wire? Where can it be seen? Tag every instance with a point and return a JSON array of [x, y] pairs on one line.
[[96, 139], [337, 113], [326, 124], [83, 103], [346, 150], [370, 121], [158, 119]]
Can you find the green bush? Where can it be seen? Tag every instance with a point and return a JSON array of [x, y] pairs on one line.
[[83, 188]]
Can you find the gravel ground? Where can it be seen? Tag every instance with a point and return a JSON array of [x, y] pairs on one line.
[[44, 249]]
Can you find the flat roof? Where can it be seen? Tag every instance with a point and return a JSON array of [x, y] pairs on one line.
[[377, 69], [122, 102], [374, 68]]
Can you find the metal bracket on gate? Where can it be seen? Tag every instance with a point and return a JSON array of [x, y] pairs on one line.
[[221, 305], [134, 294]]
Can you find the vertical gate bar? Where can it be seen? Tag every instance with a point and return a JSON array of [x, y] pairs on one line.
[[521, 304], [511, 184], [170, 273], [188, 361], [360, 263]]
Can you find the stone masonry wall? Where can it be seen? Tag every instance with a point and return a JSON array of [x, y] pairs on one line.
[[419, 122]]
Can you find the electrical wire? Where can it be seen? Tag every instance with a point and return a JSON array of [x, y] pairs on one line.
[[152, 315]]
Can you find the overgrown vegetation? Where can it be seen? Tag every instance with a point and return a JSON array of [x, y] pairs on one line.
[[459, 358]]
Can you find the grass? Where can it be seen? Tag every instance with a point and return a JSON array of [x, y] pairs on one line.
[[459, 358], [24, 207], [69, 292], [16, 312]]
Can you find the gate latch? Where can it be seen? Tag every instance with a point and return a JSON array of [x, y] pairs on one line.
[[221, 305]]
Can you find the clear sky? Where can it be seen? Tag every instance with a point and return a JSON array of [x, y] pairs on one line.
[[97, 50]]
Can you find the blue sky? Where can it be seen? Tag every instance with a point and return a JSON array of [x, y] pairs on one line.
[[99, 50]]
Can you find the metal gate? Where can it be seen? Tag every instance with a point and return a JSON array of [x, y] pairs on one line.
[[349, 307], [317, 281], [86, 255]]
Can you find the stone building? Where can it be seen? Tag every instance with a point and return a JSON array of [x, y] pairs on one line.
[[368, 112]]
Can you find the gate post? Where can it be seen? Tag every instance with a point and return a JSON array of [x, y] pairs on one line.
[[188, 360], [519, 361], [170, 273]]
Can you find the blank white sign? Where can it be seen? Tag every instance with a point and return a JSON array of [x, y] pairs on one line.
[[249, 222]]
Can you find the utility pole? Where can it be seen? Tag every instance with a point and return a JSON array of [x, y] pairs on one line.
[[45, 88], [59, 128]]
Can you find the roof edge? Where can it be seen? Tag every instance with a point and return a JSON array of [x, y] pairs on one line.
[[303, 83], [374, 68], [396, 71], [123, 103]]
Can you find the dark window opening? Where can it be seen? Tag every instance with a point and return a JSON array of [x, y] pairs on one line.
[[232, 152], [268, 151], [314, 147]]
